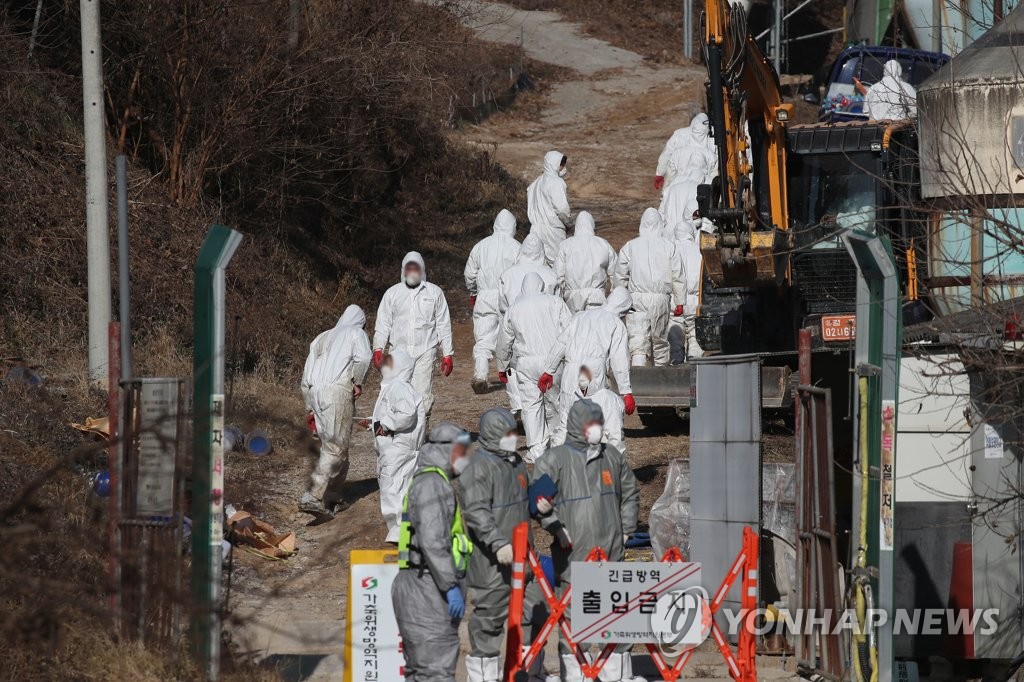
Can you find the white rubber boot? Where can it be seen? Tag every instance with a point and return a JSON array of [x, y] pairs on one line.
[[612, 670], [693, 349], [475, 669], [627, 669], [638, 360], [492, 669], [570, 669], [481, 366]]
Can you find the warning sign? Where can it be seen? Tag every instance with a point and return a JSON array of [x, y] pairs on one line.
[[633, 602], [373, 647]]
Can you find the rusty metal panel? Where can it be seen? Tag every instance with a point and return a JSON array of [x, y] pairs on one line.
[[821, 653]]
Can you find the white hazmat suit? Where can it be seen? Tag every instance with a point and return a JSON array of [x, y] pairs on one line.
[[892, 98], [614, 411], [692, 141], [652, 270], [682, 333], [488, 261], [595, 338], [416, 320], [583, 264], [402, 421], [338, 361], [547, 206], [528, 331], [510, 286]]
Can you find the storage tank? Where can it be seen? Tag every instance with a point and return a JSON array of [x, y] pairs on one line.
[[971, 123]]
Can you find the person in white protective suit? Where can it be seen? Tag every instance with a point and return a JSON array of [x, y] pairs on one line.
[[332, 380], [699, 131], [682, 333], [583, 265], [891, 98], [488, 261], [547, 205], [510, 286], [596, 339], [399, 425], [528, 331], [651, 268], [413, 316], [612, 406]]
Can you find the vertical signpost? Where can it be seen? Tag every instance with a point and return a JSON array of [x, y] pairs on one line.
[[878, 349], [207, 445]]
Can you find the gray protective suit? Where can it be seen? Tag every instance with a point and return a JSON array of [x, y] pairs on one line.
[[493, 491], [430, 638], [598, 501]]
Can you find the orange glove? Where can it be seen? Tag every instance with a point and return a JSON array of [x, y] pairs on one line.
[[378, 358], [630, 403], [545, 382], [447, 365], [659, 181], [503, 377], [472, 301], [311, 422]]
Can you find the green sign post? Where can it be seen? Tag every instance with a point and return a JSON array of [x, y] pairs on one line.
[[878, 350], [207, 444]]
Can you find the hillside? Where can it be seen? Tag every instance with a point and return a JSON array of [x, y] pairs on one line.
[[330, 154]]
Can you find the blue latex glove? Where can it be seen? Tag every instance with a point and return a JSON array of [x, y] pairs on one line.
[[456, 604]]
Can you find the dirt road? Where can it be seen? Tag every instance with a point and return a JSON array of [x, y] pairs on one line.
[[611, 115]]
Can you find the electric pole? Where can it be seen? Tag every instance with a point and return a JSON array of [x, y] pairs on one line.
[[96, 227]]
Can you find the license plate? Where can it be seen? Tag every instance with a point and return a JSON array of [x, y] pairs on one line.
[[838, 327]]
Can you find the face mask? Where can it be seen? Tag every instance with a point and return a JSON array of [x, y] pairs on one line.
[[413, 279], [459, 465], [583, 382], [508, 443], [594, 434], [562, 172], [387, 372]]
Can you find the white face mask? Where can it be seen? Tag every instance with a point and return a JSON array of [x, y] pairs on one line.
[[459, 465], [562, 172], [387, 372], [594, 434], [583, 382], [413, 279], [508, 443]]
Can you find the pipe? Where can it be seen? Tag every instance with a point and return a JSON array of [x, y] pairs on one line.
[[799, 7], [124, 295]]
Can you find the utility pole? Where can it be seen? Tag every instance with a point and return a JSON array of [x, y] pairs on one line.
[[688, 29], [777, 36], [96, 227]]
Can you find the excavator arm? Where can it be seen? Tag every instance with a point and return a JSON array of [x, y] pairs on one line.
[[747, 201]]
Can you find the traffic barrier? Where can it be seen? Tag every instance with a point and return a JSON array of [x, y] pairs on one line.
[[742, 665]]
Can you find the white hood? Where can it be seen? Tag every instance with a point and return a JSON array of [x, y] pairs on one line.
[[403, 365], [584, 225], [553, 162], [652, 222], [893, 69], [532, 284], [700, 127], [619, 301], [413, 257], [505, 223], [532, 250]]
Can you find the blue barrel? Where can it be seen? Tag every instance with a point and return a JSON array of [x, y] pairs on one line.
[[258, 443]]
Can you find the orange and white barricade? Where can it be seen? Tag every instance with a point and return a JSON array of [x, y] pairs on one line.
[[742, 664]]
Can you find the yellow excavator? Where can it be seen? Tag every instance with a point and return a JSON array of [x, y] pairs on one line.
[[784, 192], [752, 218]]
